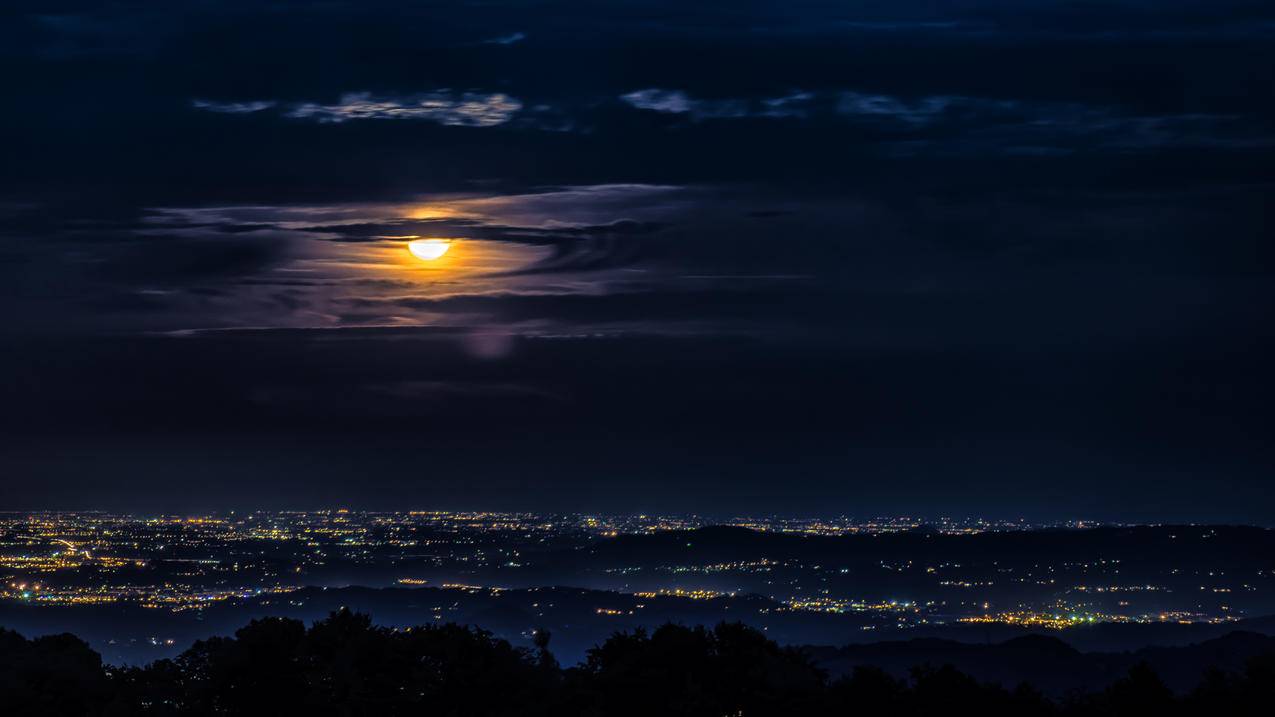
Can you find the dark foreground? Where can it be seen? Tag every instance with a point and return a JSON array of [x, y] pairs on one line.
[[345, 665]]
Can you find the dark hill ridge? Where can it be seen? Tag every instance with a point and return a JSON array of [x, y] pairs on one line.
[[1049, 663]]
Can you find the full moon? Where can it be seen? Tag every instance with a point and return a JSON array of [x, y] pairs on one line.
[[428, 249]]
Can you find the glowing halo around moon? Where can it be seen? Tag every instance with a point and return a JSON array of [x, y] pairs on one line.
[[428, 249]]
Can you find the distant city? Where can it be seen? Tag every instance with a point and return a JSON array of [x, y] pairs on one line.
[[145, 586]]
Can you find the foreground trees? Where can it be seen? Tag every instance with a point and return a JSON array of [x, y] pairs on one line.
[[345, 665]]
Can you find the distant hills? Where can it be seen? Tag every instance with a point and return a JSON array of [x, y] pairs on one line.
[[1049, 663]]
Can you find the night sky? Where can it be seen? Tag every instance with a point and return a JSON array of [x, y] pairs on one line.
[[858, 257]]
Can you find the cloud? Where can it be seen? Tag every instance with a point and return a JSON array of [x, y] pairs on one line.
[[672, 101], [235, 108], [469, 109], [918, 112], [650, 308], [953, 125], [793, 105], [804, 104], [830, 104], [509, 39], [678, 102]]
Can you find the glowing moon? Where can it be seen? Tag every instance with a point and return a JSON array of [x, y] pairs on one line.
[[428, 249]]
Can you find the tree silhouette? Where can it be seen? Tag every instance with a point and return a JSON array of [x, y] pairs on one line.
[[51, 675]]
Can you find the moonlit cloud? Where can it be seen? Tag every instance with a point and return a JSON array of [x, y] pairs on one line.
[[469, 109], [678, 102], [672, 101], [797, 104], [341, 266]]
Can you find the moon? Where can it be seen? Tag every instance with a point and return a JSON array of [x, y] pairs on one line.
[[428, 249]]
